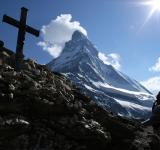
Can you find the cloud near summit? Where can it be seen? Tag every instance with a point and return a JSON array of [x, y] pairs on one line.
[[156, 66], [153, 82], [58, 32]]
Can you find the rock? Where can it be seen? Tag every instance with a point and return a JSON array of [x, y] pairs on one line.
[[14, 73], [83, 111], [42, 110], [63, 121], [5, 54], [36, 72], [10, 96], [77, 105], [1, 43], [65, 86], [26, 66], [11, 87], [70, 105], [48, 102], [8, 74], [32, 63]]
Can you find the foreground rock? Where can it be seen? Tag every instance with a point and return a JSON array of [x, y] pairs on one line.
[[42, 110]]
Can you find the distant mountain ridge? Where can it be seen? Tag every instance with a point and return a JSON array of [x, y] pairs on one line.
[[107, 86]]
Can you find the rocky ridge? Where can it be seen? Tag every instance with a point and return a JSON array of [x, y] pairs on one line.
[[42, 110]]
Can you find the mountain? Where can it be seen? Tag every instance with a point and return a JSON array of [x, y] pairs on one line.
[[42, 110], [107, 86]]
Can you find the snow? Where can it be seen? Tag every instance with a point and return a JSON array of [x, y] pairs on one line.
[[80, 75], [23, 121], [17, 120], [89, 88], [140, 95], [98, 73], [133, 105]]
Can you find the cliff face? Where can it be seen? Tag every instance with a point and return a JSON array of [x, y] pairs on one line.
[[42, 110]]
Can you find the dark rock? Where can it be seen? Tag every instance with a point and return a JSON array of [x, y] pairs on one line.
[[40, 109], [1, 43]]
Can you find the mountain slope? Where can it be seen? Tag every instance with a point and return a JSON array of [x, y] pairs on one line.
[[42, 110], [107, 86]]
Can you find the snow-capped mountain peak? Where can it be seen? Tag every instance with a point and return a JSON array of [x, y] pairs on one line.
[[79, 44], [107, 86], [77, 35]]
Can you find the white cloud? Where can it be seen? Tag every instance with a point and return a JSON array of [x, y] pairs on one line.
[[110, 59], [156, 67], [152, 84], [58, 32]]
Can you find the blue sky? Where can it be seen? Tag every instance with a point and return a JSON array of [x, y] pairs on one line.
[[114, 26]]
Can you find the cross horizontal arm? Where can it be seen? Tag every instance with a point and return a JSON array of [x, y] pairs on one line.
[[10, 21], [32, 31], [15, 23]]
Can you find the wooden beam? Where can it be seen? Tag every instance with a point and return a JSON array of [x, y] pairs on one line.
[[15, 23], [11, 21]]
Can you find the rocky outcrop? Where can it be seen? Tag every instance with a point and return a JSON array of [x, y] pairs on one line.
[[42, 110]]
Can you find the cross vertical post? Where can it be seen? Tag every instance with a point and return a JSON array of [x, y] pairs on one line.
[[21, 38]]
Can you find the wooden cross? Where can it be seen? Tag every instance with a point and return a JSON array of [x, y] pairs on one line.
[[23, 28]]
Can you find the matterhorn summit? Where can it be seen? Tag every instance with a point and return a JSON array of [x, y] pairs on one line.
[[108, 87]]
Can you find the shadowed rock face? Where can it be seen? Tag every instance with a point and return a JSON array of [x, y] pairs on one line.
[[42, 110]]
